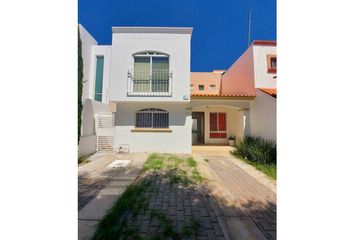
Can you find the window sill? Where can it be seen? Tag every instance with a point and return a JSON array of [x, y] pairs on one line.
[[166, 130]]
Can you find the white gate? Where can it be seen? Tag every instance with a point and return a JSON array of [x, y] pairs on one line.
[[104, 125]]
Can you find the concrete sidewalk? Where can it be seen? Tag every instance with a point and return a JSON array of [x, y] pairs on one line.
[[100, 185]]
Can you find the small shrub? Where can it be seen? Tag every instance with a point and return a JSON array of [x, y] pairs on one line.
[[191, 162], [256, 149]]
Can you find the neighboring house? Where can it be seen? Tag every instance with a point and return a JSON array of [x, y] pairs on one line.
[[94, 95], [256, 68], [157, 103]]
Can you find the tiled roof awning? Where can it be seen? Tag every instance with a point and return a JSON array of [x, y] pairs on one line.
[[271, 91], [222, 96]]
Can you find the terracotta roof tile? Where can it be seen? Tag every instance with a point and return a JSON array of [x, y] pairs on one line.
[[220, 95], [265, 42], [271, 91]]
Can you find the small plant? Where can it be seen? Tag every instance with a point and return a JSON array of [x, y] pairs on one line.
[[207, 160], [232, 141], [256, 149], [259, 152], [232, 138], [191, 162]]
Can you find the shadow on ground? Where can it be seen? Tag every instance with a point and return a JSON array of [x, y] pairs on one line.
[[164, 206]]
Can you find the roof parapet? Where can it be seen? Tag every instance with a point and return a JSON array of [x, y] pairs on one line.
[[167, 30]]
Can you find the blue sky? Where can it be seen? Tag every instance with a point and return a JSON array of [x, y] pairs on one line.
[[220, 28]]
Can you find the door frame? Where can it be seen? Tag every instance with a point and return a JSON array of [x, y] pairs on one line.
[[203, 127]]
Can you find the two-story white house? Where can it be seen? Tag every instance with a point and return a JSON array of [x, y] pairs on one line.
[[149, 83], [158, 105]]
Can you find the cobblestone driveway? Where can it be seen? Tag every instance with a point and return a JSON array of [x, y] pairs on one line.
[[88, 188], [182, 205]]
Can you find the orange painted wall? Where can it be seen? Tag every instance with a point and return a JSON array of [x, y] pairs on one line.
[[206, 79], [239, 78]]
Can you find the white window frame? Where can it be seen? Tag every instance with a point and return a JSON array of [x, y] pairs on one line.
[[212, 88]]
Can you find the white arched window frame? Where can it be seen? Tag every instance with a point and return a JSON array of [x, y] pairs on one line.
[[151, 72], [152, 118]]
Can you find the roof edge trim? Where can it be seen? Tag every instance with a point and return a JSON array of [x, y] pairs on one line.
[[171, 30]]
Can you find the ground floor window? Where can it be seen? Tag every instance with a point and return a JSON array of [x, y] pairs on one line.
[[217, 125], [152, 118]]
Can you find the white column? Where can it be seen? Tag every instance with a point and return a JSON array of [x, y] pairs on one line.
[[246, 122]]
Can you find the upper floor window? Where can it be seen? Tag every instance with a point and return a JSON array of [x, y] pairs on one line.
[[191, 87], [152, 118], [99, 78], [201, 87], [151, 72], [271, 63], [212, 87]]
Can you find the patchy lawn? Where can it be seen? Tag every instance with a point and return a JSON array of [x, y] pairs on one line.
[[268, 169], [83, 160], [144, 210]]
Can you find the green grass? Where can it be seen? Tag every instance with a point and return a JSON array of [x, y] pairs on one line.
[[155, 161], [115, 224], [268, 169], [83, 160], [178, 176], [196, 176], [178, 169], [191, 162], [188, 229]]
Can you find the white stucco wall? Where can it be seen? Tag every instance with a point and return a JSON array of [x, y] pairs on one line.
[[177, 141], [105, 51], [87, 144], [87, 42], [263, 116], [90, 108], [262, 78], [124, 45]]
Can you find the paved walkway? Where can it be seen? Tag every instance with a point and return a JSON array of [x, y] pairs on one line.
[[182, 205], [245, 206], [100, 186], [236, 203]]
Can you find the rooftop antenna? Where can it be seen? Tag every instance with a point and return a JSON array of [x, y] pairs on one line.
[[249, 28]]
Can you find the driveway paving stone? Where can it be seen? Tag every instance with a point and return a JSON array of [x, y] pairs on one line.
[[245, 206]]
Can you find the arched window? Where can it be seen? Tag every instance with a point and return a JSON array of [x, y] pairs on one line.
[[152, 118], [151, 72]]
